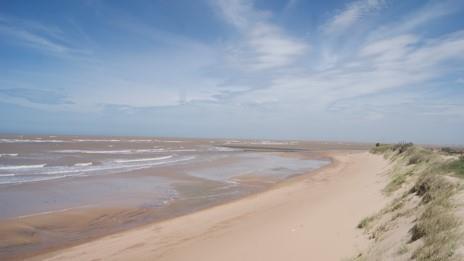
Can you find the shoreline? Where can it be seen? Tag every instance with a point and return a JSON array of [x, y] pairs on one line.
[[190, 232], [92, 222]]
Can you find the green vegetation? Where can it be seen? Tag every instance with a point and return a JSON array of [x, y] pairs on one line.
[[429, 175], [456, 166], [365, 222], [380, 148], [396, 182], [449, 150]]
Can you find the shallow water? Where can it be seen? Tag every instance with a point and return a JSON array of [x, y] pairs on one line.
[[258, 164], [43, 174]]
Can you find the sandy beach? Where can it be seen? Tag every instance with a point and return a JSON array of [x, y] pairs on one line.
[[63, 191], [310, 217]]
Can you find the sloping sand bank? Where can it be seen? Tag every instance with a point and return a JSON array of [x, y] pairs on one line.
[[312, 217]]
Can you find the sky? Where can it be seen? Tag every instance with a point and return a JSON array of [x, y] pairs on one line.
[[363, 70]]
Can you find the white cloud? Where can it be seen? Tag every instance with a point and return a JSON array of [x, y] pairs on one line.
[[390, 64], [430, 12], [263, 45], [271, 48], [47, 39], [33, 40], [390, 48], [351, 14], [237, 12]]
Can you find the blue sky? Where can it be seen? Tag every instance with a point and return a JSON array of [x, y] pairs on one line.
[[365, 70]]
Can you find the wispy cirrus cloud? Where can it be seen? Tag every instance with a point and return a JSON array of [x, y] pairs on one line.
[[262, 44], [43, 100], [351, 14], [430, 12], [45, 38], [399, 62]]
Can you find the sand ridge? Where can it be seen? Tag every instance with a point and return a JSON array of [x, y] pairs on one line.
[[312, 217]]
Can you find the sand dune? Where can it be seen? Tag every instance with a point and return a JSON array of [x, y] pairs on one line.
[[311, 217]]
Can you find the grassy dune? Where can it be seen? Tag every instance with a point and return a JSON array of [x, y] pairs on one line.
[[423, 219]]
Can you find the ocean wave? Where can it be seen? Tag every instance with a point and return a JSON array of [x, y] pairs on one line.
[[149, 150], [35, 173], [112, 151], [96, 151], [36, 166], [72, 170], [95, 140], [156, 163], [8, 155], [144, 159], [263, 142], [121, 165], [139, 140], [35, 179], [169, 141], [223, 149], [29, 141], [84, 164]]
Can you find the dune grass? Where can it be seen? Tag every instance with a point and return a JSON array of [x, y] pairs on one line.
[[437, 225], [431, 176], [365, 222], [456, 167]]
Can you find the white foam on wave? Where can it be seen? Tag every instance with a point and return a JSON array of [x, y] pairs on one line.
[[262, 142], [232, 141], [148, 150], [8, 155], [144, 159], [126, 165], [36, 173], [84, 164], [33, 179], [36, 166], [96, 151], [121, 165], [95, 140], [269, 142], [139, 140], [61, 170], [111, 151], [222, 149], [29, 141], [152, 164]]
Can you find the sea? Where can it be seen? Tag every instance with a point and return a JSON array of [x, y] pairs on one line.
[[39, 174]]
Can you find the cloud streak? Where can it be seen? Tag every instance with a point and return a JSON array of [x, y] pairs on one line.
[[263, 45], [351, 14], [47, 39]]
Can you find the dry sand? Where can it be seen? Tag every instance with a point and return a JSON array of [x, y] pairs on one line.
[[311, 217]]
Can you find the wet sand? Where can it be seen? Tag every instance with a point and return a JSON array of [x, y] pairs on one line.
[[96, 215]]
